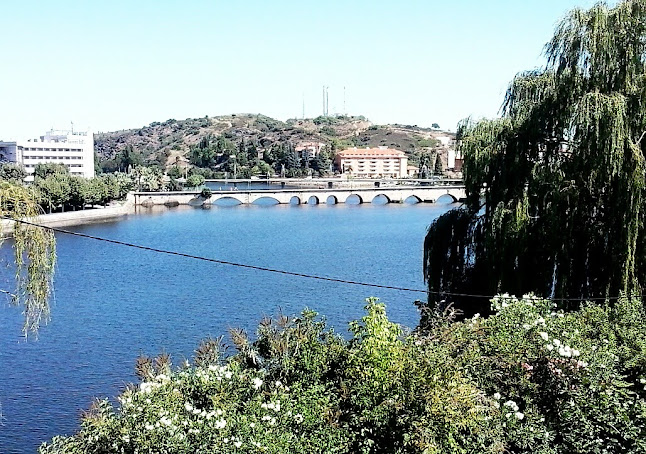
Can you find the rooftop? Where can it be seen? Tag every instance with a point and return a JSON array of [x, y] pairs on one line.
[[381, 152]]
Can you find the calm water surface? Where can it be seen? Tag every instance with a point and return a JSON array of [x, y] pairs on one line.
[[114, 303]]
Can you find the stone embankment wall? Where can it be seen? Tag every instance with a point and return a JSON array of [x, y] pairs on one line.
[[87, 216]]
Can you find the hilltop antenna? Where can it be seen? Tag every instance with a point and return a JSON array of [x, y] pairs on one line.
[[303, 105], [327, 102], [345, 113]]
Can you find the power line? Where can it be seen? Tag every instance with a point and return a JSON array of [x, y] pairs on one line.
[[221, 262], [303, 275], [8, 293]]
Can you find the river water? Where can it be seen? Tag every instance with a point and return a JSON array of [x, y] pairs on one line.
[[113, 303]]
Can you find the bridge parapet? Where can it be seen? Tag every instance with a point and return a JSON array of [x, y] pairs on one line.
[[396, 194]]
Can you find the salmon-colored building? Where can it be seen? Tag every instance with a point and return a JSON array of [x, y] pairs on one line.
[[381, 162]]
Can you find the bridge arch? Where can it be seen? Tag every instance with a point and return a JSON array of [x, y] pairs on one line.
[[295, 200], [379, 197], [313, 200], [412, 198], [446, 198], [266, 200], [226, 200], [331, 200], [351, 197]]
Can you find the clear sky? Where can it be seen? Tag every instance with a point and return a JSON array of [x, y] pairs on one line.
[[119, 64]]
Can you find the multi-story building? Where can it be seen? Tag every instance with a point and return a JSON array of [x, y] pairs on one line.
[[74, 149], [381, 162]]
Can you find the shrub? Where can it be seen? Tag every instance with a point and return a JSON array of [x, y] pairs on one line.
[[527, 379]]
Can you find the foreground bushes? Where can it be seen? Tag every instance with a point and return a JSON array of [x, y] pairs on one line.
[[527, 379]]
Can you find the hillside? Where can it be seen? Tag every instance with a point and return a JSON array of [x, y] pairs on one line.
[[166, 143]]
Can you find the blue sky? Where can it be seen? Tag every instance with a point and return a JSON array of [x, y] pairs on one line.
[[125, 63]]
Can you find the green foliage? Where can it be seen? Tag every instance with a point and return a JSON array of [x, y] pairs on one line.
[[128, 159], [262, 168], [43, 170], [206, 193], [529, 379], [54, 189], [438, 168], [148, 178], [12, 173], [175, 172], [195, 181], [428, 143], [61, 191], [174, 185], [561, 174], [34, 253]]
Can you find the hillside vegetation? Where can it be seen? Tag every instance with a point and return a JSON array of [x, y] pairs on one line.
[[171, 141]]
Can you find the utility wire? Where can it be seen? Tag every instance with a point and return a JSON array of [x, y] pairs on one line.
[[8, 293], [221, 262], [303, 275]]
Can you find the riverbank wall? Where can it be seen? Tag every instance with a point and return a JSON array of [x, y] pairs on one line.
[[87, 216]]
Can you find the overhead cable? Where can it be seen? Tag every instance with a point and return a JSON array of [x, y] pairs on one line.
[[305, 275]]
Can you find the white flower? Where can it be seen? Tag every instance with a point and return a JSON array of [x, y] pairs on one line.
[[278, 384], [526, 326], [237, 444], [544, 335], [497, 396], [257, 383], [556, 342], [298, 418], [188, 406], [220, 424], [519, 415], [575, 352], [252, 425], [565, 351], [511, 404], [549, 347]]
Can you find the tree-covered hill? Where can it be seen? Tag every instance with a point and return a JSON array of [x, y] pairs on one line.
[[163, 143]]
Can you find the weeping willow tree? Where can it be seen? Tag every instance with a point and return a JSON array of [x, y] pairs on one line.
[[555, 186], [34, 255]]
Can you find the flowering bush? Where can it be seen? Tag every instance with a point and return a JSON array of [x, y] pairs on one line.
[[529, 378]]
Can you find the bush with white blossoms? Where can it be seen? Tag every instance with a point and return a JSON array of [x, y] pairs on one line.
[[529, 378]]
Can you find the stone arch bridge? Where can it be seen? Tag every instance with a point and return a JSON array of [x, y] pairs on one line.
[[395, 194]]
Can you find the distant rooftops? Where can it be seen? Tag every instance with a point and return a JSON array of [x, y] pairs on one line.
[[381, 152]]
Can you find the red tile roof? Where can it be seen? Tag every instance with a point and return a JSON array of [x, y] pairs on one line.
[[371, 152]]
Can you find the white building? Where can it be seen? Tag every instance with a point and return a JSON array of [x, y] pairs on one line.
[[74, 149], [379, 162]]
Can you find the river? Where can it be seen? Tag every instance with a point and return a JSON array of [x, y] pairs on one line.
[[113, 303]]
